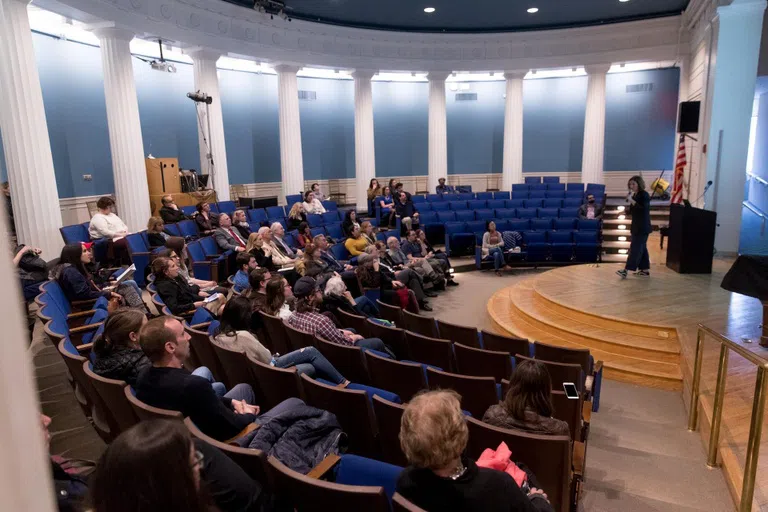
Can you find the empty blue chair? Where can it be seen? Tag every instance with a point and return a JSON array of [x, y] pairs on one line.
[[484, 214], [531, 179], [506, 213], [561, 245], [556, 187], [441, 206], [340, 252], [465, 215], [75, 234], [477, 204], [334, 231], [476, 226], [520, 186], [318, 231], [519, 225], [139, 252], [589, 225], [502, 194], [520, 194], [541, 224], [188, 229], [330, 206], [574, 194], [572, 202], [538, 186], [418, 198], [484, 195], [279, 220], [494, 204], [425, 207], [553, 203], [275, 212], [568, 224], [458, 238], [214, 207], [586, 246], [330, 217], [575, 186], [188, 210], [364, 472], [548, 213], [254, 226], [515, 203], [465, 196], [428, 217], [537, 194], [226, 206], [173, 229], [457, 205], [503, 224], [551, 179], [555, 194], [292, 199], [290, 239], [537, 248], [565, 213], [596, 187], [527, 213], [434, 198], [533, 203], [257, 215], [314, 220], [446, 216]]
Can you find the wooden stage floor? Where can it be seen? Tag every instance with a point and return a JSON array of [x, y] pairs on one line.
[[645, 330]]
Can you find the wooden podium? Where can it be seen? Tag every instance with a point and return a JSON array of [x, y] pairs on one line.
[[163, 180], [691, 239]]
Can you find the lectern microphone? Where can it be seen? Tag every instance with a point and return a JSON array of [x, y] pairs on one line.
[[706, 188], [200, 97]]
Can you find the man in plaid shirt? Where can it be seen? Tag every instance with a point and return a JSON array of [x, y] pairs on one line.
[[307, 319]]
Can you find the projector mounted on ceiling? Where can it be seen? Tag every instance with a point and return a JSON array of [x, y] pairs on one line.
[[162, 64], [272, 7]]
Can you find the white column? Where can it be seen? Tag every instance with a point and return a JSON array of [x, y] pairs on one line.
[[211, 144], [438, 132], [594, 125], [365, 152], [512, 166], [131, 191], [733, 93], [25, 135], [291, 161]]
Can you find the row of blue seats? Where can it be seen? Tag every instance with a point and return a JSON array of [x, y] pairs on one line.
[[467, 234], [230, 206], [555, 246], [481, 204], [505, 213], [557, 194]]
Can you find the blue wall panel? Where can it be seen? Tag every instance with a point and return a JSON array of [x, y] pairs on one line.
[[640, 126], [553, 124], [753, 238], [476, 129], [400, 126], [328, 128], [251, 129]]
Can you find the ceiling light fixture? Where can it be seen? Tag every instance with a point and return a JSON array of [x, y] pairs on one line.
[[533, 10], [623, 1], [429, 10]]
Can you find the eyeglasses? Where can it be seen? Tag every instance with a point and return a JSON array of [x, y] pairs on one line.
[[199, 458]]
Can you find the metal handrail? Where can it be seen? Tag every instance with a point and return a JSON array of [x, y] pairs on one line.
[[758, 407], [756, 177], [757, 211]]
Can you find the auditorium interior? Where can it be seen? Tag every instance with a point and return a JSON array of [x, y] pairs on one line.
[[358, 228]]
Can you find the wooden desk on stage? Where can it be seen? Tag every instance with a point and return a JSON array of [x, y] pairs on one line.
[[182, 199]]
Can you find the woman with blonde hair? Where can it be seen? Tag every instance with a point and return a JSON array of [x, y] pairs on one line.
[[158, 237], [433, 437], [296, 216], [255, 246]]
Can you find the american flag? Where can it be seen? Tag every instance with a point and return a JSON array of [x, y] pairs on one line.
[[677, 188]]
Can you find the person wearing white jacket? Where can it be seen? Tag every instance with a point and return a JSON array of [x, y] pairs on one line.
[[106, 225]]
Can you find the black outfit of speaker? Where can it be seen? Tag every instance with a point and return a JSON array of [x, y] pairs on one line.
[[691, 239]]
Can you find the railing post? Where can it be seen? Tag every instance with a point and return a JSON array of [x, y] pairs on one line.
[[753, 446], [717, 411], [693, 413]]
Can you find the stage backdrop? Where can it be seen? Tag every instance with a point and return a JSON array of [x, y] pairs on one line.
[[640, 119]]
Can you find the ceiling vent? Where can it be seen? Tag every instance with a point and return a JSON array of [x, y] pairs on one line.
[[466, 96], [640, 88], [308, 95]]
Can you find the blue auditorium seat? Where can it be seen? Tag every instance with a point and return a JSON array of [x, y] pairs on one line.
[[589, 225], [527, 213], [477, 204], [428, 217], [418, 198], [465, 196], [476, 226], [465, 215], [515, 203], [548, 213], [330, 217], [257, 215], [484, 195], [574, 194], [457, 205], [292, 199], [538, 187], [455, 235], [315, 220], [188, 229], [202, 267], [596, 188], [434, 198], [440, 206], [537, 248], [575, 186], [189, 210], [139, 253], [334, 231], [553, 187], [553, 203], [361, 471], [484, 214], [226, 206], [446, 216], [425, 207], [503, 224], [519, 225], [279, 220], [568, 213], [520, 194], [573, 202], [75, 233], [586, 246], [537, 194], [555, 194], [330, 206], [340, 252], [507, 213], [214, 207], [501, 195], [541, 224], [318, 231], [275, 212], [562, 245], [531, 179], [568, 224], [173, 229], [551, 179], [533, 203], [494, 204]]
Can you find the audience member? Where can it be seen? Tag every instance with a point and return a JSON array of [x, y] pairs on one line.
[[270, 248], [206, 221], [374, 190], [350, 221], [278, 234], [257, 288], [493, 246], [640, 210], [405, 275], [279, 292], [312, 204], [233, 334], [255, 247], [392, 184], [78, 284], [433, 437], [106, 225], [428, 251], [240, 223], [305, 235], [178, 295], [356, 243], [398, 189], [305, 318], [442, 188], [412, 248], [71, 490], [155, 465], [206, 286], [420, 265], [227, 238], [333, 265], [166, 384], [590, 210], [170, 212], [245, 263], [367, 231], [117, 350], [314, 266], [296, 216], [317, 193], [374, 274], [336, 296], [158, 237], [31, 269], [406, 210], [528, 403], [387, 204]]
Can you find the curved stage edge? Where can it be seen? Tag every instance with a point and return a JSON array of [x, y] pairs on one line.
[[644, 330]]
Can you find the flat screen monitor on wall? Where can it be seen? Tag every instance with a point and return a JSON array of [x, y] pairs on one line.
[[688, 120]]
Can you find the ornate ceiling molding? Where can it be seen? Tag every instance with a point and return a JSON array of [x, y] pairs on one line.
[[235, 30]]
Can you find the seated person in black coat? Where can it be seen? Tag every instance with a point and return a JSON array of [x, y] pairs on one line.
[[159, 237], [433, 435], [205, 219], [177, 293], [170, 212], [117, 350], [168, 385]]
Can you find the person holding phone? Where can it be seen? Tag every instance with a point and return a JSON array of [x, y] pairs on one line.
[[640, 210]]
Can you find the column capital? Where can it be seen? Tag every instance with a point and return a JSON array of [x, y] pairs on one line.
[[510, 75], [287, 68], [363, 74], [597, 69], [438, 76], [113, 32], [200, 53]]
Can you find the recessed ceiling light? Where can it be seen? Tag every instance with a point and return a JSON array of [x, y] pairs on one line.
[[533, 10], [623, 1], [429, 10]]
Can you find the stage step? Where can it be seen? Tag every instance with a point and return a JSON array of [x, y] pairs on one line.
[[627, 352], [614, 258]]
